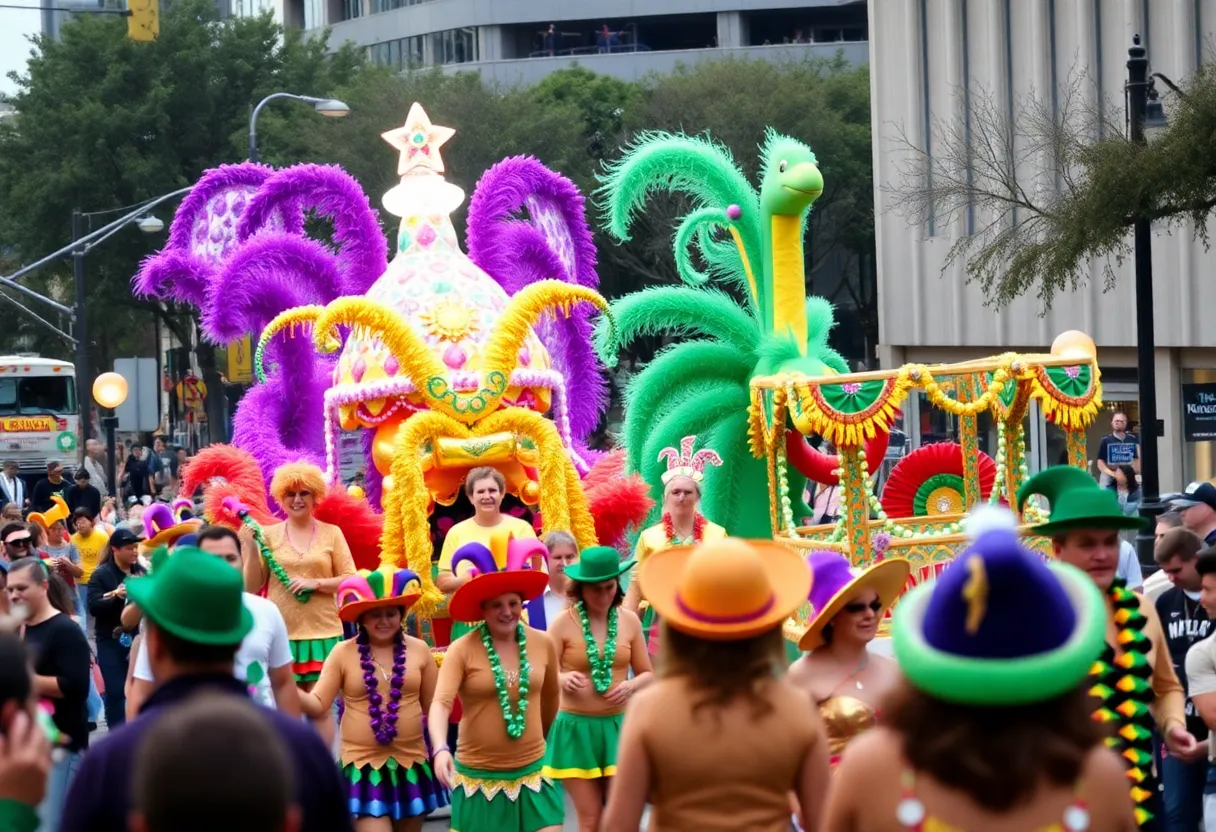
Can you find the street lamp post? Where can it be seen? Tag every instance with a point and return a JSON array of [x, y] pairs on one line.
[[328, 107], [1138, 95], [110, 391], [147, 224]]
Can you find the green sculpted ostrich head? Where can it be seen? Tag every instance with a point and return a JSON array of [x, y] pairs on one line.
[[791, 180]]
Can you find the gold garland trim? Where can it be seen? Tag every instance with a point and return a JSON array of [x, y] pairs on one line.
[[492, 788], [1069, 412]]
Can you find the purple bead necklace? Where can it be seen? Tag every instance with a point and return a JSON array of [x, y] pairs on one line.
[[384, 727]]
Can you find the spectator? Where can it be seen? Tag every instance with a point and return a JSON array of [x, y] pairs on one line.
[[95, 464], [1197, 506], [107, 596], [12, 487], [53, 483], [25, 751], [11, 512], [90, 540], [64, 557], [1117, 448], [139, 479], [214, 763], [553, 41], [161, 465], [17, 541], [61, 674], [83, 494], [191, 648]]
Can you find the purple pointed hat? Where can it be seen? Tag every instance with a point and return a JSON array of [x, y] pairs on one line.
[[836, 582]]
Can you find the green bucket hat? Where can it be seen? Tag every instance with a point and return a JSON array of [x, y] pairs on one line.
[[194, 596], [1077, 502], [598, 563]]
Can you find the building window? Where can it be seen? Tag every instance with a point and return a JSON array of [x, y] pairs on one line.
[[352, 9], [400, 54], [455, 46], [379, 6], [314, 14]]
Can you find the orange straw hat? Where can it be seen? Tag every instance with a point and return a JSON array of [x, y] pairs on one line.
[[726, 590]]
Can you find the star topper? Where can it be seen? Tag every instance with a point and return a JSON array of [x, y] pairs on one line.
[[419, 142]]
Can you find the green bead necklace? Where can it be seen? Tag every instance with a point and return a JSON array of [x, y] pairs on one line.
[[517, 718], [601, 661]]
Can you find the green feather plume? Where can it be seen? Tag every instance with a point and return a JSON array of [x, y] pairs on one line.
[[679, 310]]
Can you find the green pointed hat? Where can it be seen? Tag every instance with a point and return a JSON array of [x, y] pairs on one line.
[[1077, 502]]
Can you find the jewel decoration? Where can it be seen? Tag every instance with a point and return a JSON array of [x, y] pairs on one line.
[[685, 463], [516, 718], [601, 661], [384, 727], [419, 142]]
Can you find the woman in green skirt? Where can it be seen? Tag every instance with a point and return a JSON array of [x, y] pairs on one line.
[[598, 643], [506, 675]]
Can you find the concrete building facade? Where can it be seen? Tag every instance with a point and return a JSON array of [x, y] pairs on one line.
[[931, 60], [510, 41]]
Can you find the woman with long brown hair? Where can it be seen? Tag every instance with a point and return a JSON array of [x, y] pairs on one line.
[[992, 730], [598, 643], [720, 739]]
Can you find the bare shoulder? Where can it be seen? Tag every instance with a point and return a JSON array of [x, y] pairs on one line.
[[874, 753], [415, 644], [1105, 786], [540, 640], [563, 626], [800, 671], [628, 622], [648, 697], [1105, 770]]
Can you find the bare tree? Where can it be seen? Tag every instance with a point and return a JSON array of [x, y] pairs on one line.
[[1042, 188]]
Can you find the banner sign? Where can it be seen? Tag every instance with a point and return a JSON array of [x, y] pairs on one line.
[[1199, 412], [28, 424]]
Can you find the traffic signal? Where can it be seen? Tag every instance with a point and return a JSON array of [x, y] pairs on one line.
[[143, 19]]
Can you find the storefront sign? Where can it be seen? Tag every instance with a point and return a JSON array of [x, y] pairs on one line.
[[1199, 412], [28, 424]]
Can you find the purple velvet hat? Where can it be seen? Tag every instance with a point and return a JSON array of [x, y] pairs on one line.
[[835, 582], [1000, 627]]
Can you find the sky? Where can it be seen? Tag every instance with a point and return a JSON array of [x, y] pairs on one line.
[[15, 26]]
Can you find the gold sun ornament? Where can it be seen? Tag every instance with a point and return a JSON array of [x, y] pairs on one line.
[[449, 319]]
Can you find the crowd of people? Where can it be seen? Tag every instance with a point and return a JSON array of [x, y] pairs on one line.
[[255, 680]]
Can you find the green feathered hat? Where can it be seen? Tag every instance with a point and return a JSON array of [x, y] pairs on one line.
[[1077, 502]]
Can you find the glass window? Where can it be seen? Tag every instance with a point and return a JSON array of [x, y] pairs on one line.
[[352, 9], [32, 396], [455, 46], [314, 16]]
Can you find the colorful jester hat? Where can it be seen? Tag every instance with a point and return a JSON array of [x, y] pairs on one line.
[[1000, 627], [1077, 502], [366, 591], [685, 463], [519, 574], [700, 384], [166, 525]]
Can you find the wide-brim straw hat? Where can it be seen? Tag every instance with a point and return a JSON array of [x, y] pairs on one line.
[[725, 590], [836, 583]]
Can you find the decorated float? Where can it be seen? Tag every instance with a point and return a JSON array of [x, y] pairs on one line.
[[438, 360], [918, 514]]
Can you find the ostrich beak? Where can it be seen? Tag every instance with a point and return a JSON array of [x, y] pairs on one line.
[[804, 178]]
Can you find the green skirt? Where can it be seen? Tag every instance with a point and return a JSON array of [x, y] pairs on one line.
[[582, 747], [520, 800], [308, 657]]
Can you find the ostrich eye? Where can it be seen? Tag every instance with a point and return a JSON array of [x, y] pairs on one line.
[[781, 167]]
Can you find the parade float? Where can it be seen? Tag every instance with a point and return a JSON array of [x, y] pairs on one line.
[[920, 512], [756, 380], [438, 360]]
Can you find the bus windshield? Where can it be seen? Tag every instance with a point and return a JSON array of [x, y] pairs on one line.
[[32, 395]]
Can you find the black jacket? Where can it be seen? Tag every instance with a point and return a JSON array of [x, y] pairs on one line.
[[107, 612]]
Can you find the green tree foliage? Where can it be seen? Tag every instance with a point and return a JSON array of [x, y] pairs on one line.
[[104, 122], [1054, 188]]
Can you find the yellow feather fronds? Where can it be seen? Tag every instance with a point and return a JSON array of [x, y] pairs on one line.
[[522, 311]]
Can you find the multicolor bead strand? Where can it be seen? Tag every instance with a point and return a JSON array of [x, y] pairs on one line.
[[601, 661], [516, 718], [384, 727]]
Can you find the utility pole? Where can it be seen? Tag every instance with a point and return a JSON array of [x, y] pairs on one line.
[[84, 396]]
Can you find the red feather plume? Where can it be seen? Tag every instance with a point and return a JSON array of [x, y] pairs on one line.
[[224, 471], [360, 525], [617, 502]]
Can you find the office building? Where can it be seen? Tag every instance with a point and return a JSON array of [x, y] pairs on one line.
[[933, 60]]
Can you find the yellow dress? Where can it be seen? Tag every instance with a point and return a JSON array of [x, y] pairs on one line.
[[653, 540]]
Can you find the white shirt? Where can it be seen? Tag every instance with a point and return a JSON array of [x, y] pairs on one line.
[[1129, 566], [263, 650], [14, 490], [554, 605]]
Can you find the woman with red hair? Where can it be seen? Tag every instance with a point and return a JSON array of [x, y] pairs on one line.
[[301, 561]]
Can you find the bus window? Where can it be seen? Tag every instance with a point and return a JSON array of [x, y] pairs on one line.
[[32, 395]]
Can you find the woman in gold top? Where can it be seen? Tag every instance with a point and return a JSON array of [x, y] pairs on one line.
[[301, 561], [597, 645], [682, 522], [843, 677], [386, 680], [991, 729], [506, 675], [720, 739]]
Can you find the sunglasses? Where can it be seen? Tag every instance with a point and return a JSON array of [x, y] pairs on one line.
[[291, 495], [25, 541], [857, 607]]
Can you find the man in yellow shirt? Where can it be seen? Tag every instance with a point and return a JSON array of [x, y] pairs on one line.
[[90, 540]]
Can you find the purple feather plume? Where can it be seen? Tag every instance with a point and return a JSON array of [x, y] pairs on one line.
[[331, 192], [279, 422], [554, 243], [203, 234], [478, 556], [267, 275], [373, 480]]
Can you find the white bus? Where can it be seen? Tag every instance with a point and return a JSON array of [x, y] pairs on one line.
[[39, 414]]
